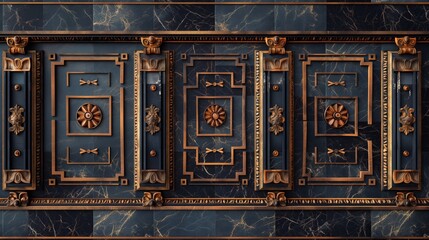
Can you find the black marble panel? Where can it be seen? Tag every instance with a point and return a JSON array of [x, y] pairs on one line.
[[14, 223], [67, 17], [377, 18], [123, 223], [399, 224], [60, 223], [245, 223], [323, 223], [22, 17], [183, 17], [184, 223], [300, 18], [244, 18], [123, 17]]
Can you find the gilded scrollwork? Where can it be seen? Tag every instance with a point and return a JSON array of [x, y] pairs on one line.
[[215, 115], [16, 119], [154, 199], [153, 176], [405, 199], [89, 115], [17, 176], [273, 199], [17, 199], [336, 115], [17, 44], [276, 120], [276, 44], [406, 45], [407, 120], [152, 119]]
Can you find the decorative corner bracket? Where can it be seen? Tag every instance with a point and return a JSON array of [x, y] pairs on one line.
[[152, 44], [152, 199], [406, 45], [276, 45], [17, 199], [405, 199], [275, 200], [17, 44]]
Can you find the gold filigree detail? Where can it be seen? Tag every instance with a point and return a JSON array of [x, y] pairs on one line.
[[276, 176], [152, 44], [88, 82], [152, 119], [341, 151], [215, 115], [17, 64], [214, 150], [154, 199], [407, 119], [17, 176], [89, 115], [276, 44], [153, 176], [276, 119], [153, 65], [406, 45], [17, 199], [336, 115], [17, 44], [339, 83], [214, 84], [405, 199], [405, 176], [16, 119], [274, 199], [93, 151]]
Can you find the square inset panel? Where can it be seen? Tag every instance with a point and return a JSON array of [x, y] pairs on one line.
[[214, 116], [89, 115], [336, 116]]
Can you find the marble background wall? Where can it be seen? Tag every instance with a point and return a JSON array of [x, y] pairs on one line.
[[257, 18]]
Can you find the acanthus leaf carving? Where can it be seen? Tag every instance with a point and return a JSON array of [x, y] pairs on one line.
[[152, 199], [152, 119], [276, 119], [273, 199], [16, 119], [407, 120], [405, 199], [17, 64], [153, 176], [17, 199], [17, 176]]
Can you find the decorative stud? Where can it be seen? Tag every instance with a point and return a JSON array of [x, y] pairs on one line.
[[152, 153], [276, 88], [153, 87], [17, 153], [17, 87], [405, 153], [276, 153]]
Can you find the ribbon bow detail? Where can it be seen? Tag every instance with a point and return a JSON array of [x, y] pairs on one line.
[[89, 82], [214, 84], [341, 151], [214, 150], [93, 151], [339, 83]]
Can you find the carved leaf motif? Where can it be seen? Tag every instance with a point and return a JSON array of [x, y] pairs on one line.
[[18, 177], [276, 119], [276, 177], [152, 119], [16, 119], [154, 199], [15, 200], [407, 119], [153, 177]]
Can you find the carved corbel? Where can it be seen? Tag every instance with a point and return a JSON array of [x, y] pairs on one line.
[[152, 44], [17, 44], [17, 199], [274, 200], [276, 45], [154, 199], [406, 45]]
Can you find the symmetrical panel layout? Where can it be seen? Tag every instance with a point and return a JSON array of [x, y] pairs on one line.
[[21, 118], [337, 99], [401, 114], [273, 117], [87, 125], [214, 120]]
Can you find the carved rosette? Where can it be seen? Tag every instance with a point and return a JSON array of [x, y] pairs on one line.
[[406, 45], [152, 119], [405, 199], [17, 44], [276, 45], [407, 120], [154, 199], [17, 199], [89, 115], [153, 176], [17, 176], [215, 115], [276, 119], [152, 44], [336, 115], [273, 199], [16, 119]]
